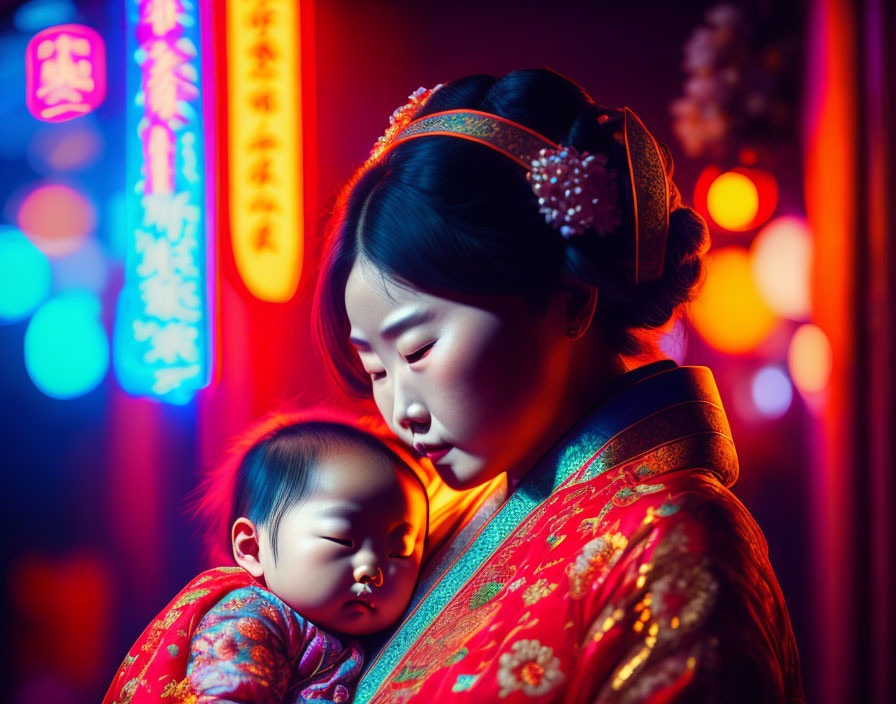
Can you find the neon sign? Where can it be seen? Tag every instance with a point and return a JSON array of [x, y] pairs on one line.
[[265, 146], [65, 68], [161, 326]]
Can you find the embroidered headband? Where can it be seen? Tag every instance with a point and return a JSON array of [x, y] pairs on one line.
[[575, 190]]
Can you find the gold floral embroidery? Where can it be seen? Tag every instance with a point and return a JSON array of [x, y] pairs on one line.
[[181, 692], [537, 591], [546, 565], [513, 586], [554, 540], [159, 628], [627, 496], [595, 560], [589, 525], [192, 596], [530, 667]]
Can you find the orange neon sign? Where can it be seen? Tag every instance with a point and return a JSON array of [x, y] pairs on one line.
[[265, 146]]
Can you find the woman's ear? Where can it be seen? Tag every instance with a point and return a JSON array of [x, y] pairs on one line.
[[247, 546], [580, 306]]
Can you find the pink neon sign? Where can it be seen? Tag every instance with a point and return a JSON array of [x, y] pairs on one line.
[[65, 72]]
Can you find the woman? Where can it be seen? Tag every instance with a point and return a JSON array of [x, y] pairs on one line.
[[506, 248]]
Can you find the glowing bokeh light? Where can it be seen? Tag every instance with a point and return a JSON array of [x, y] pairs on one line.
[[66, 347], [25, 276], [772, 392], [56, 218], [733, 201], [85, 268], [65, 72], [39, 14], [782, 258], [729, 313], [810, 359], [66, 147]]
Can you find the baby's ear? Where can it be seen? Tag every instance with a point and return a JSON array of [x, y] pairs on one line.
[[246, 551]]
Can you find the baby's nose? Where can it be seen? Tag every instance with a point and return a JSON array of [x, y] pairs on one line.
[[367, 574]]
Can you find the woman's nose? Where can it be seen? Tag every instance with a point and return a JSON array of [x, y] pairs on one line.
[[413, 415], [410, 413], [367, 573]]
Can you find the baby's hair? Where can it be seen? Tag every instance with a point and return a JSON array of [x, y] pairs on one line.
[[271, 468]]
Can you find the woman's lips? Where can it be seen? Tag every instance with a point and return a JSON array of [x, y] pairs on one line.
[[434, 452]]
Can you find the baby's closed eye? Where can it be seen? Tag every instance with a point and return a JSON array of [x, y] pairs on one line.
[[345, 542]]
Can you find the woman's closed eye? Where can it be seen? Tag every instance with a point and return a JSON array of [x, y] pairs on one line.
[[419, 354]]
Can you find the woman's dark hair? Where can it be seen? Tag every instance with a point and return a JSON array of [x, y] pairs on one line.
[[449, 216], [271, 467]]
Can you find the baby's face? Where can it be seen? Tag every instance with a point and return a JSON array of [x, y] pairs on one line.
[[348, 555]]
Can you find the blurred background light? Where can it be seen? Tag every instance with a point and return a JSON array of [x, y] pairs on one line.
[[25, 276], [772, 392], [728, 312], [56, 218], [41, 588], [39, 14], [67, 146], [115, 216], [65, 72], [18, 125], [12, 76], [86, 268], [733, 201], [737, 200], [810, 359], [66, 346], [782, 257]]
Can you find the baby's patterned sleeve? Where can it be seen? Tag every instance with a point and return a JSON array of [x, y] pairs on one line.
[[244, 650]]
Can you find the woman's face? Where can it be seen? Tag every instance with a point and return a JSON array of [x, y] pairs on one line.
[[470, 383]]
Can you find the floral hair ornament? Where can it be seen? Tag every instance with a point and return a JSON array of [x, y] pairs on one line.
[[576, 191], [401, 118]]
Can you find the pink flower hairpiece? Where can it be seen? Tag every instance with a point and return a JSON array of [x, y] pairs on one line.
[[575, 191]]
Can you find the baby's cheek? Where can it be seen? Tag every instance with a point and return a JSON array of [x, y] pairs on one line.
[[315, 582], [405, 579]]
